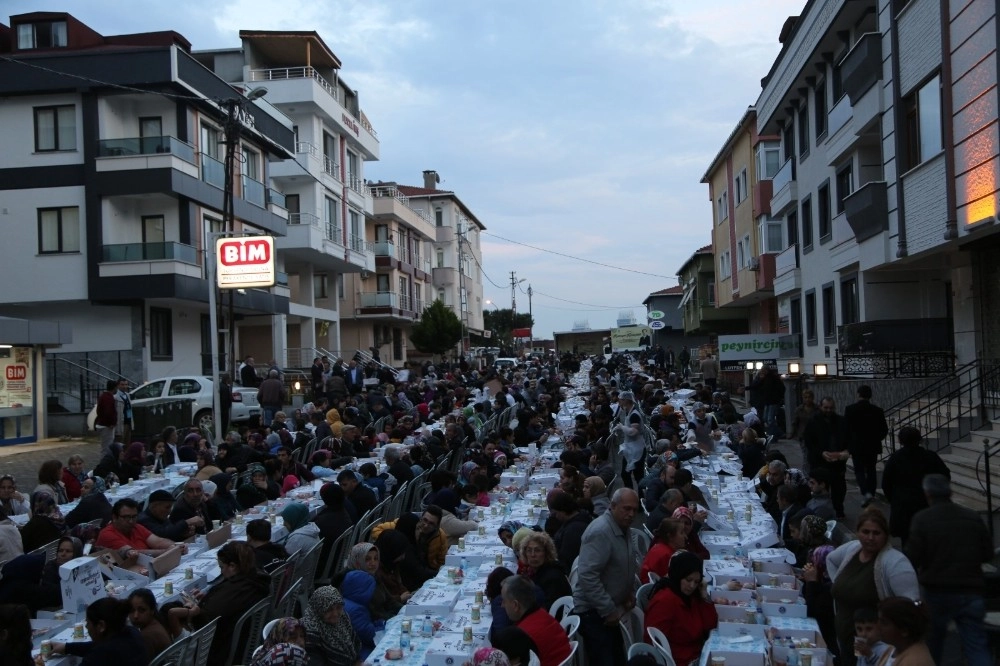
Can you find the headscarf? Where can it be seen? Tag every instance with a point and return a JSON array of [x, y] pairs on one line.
[[500, 459], [191, 440], [391, 544], [99, 486], [209, 489], [683, 513], [596, 485], [136, 453], [447, 500], [221, 481], [511, 526], [44, 505], [812, 531], [339, 638], [290, 483], [682, 564], [254, 468], [487, 656], [817, 557], [519, 537], [466, 472], [356, 558], [295, 516]]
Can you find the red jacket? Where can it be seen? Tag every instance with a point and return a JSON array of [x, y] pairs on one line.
[[547, 635], [72, 484], [107, 411], [686, 627], [657, 560]]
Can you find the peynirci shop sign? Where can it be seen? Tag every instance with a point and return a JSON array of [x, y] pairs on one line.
[[755, 347]]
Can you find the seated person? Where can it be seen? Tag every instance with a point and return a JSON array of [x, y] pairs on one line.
[[156, 518], [269, 555], [191, 504], [130, 538], [518, 594]]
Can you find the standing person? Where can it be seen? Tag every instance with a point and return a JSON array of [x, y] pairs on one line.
[[225, 404], [866, 428], [948, 545], [316, 378], [107, 416], [769, 396], [521, 604], [684, 359], [633, 446], [271, 396], [354, 378], [668, 360], [710, 370], [902, 478], [248, 374], [604, 591], [123, 408], [803, 414], [827, 446]]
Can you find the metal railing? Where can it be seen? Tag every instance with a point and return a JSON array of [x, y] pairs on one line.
[[359, 244], [73, 387], [989, 451], [149, 252], [334, 233], [306, 148], [146, 145], [378, 299], [356, 183], [283, 73], [331, 167], [366, 359], [895, 363], [213, 171]]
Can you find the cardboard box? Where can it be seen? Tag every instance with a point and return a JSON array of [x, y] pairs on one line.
[[738, 658], [784, 610], [433, 600], [776, 595], [81, 582], [779, 656], [448, 649], [785, 581], [773, 555], [737, 614], [732, 629], [727, 597]]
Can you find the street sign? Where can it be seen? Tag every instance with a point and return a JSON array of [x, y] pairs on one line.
[[244, 261], [655, 314], [657, 325]]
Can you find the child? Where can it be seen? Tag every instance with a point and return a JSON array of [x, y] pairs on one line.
[[868, 646]]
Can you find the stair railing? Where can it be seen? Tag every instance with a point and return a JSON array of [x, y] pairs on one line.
[[990, 450], [368, 359]]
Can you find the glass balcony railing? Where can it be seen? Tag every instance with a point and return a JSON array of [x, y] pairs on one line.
[[384, 249], [150, 252], [275, 197], [146, 145], [378, 299], [213, 171], [253, 191], [281, 279]]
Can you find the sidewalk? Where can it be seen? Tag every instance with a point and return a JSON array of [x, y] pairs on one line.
[[23, 460]]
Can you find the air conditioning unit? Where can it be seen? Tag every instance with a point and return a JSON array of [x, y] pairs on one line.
[[365, 275], [754, 264]]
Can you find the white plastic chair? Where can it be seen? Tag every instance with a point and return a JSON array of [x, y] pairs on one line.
[[572, 654], [644, 594], [653, 576], [571, 623], [662, 644], [647, 649], [561, 607]]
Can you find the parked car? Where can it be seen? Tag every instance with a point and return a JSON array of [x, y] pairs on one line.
[[505, 363], [198, 389]]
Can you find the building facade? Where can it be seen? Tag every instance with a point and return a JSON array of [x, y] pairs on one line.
[[699, 313], [111, 180]]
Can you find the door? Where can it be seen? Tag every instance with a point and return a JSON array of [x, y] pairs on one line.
[[151, 135]]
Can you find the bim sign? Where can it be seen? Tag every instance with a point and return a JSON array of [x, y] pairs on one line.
[[244, 262]]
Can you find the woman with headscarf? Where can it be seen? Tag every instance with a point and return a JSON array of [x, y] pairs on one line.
[[112, 463], [817, 586], [358, 589], [188, 450], [508, 530], [302, 534], [400, 567], [384, 604], [694, 543], [330, 638], [285, 645], [681, 608], [487, 656], [467, 471], [254, 491], [222, 504], [46, 525], [596, 492], [93, 504]]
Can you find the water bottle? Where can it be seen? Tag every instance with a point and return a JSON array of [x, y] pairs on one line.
[[428, 627], [404, 637], [461, 566], [793, 657]]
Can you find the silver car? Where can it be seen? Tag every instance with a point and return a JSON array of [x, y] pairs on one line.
[[198, 389]]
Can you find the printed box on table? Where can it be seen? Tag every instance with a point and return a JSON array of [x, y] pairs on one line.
[[449, 649], [784, 610], [81, 582]]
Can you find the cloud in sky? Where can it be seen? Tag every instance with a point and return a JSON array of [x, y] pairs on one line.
[[584, 127]]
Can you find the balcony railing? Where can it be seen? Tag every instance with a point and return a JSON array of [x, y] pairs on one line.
[[359, 244], [356, 183], [275, 197], [786, 260], [306, 148], [389, 191], [303, 218], [330, 167], [418, 305], [785, 175], [379, 299], [253, 191], [384, 249], [149, 252], [213, 171], [281, 279], [404, 302], [147, 145], [334, 233]]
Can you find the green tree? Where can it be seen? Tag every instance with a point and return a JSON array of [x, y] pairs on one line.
[[499, 322], [438, 330]]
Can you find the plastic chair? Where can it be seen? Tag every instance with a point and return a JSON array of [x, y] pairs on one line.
[[631, 625], [281, 577], [201, 644], [572, 654], [638, 649], [561, 607], [285, 607], [174, 655], [571, 623], [334, 560], [653, 577], [245, 633], [49, 550], [398, 500], [644, 594], [574, 574], [662, 644], [305, 571], [642, 541]]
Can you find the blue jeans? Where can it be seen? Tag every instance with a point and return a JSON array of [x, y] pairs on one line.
[[968, 611], [770, 418], [604, 644]]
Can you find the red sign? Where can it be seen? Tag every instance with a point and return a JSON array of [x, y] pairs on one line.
[[245, 262], [16, 372], [244, 253], [522, 332]]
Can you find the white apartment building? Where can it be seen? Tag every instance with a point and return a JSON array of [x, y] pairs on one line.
[[108, 185], [324, 188], [888, 181]]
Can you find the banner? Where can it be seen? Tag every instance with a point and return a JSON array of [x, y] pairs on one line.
[[16, 390], [756, 347], [630, 338]]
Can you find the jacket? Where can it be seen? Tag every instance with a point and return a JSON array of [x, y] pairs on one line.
[[123, 649], [606, 566], [901, 482], [657, 560], [549, 638], [866, 428], [358, 588], [182, 511], [948, 545], [686, 626], [91, 507], [551, 579], [303, 538], [228, 600], [569, 537], [107, 412], [894, 575], [10, 541], [454, 527], [271, 392], [437, 549], [176, 530]]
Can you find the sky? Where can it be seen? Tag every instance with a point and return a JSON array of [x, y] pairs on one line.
[[578, 126]]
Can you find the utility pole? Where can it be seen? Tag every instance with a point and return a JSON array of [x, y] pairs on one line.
[[513, 298], [462, 296], [531, 323]]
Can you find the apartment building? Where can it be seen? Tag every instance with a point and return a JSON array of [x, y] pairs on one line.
[[699, 313], [457, 259], [328, 201], [887, 186], [745, 238], [110, 178]]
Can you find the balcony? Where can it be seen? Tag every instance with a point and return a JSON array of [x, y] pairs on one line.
[[787, 274], [213, 171], [388, 304], [384, 249], [387, 201], [861, 68], [444, 276], [764, 274], [312, 240], [358, 194], [331, 168], [253, 191], [132, 259], [151, 152], [785, 190], [867, 210]]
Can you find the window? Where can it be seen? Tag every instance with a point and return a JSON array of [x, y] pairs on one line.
[[183, 387], [382, 282], [58, 230], [151, 390], [823, 213], [770, 234], [741, 186], [153, 229], [807, 224], [251, 163], [804, 128], [440, 258], [768, 160], [845, 185], [161, 334], [44, 35], [792, 225], [725, 265], [795, 312], [438, 217], [357, 242], [711, 293], [353, 173], [811, 317], [788, 141], [321, 283], [340, 286], [723, 206], [330, 154], [829, 313], [333, 220], [211, 141], [743, 252], [820, 110], [849, 310], [922, 123], [151, 135], [55, 128], [441, 295]]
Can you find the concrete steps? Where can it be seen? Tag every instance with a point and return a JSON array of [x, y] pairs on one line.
[[968, 471]]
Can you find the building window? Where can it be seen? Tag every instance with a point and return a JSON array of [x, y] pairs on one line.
[[922, 123], [829, 314], [850, 311], [725, 265], [770, 233], [440, 258], [723, 206], [743, 252], [161, 334], [823, 212], [43, 35], [811, 317], [58, 230], [321, 283], [788, 141], [741, 186], [153, 230], [820, 110], [804, 129], [768, 157], [438, 217], [441, 295], [211, 141], [845, 185], [711, 293], [340, 285], [807, 224], [55, 128], [795, 319]]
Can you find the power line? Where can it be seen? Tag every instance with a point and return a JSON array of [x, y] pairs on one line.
[[473, 255], [589, 261], [589, 305]]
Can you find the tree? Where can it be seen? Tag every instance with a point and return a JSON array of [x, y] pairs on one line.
[[438, 330], [499, 321]]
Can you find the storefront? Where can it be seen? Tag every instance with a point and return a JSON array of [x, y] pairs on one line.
[[22, 377]]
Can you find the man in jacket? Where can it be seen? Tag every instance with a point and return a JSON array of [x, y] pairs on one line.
[[827, 446], [191, 505], [123, 407], [604, 591], [948, 545], [107, 417], [271, 396], [710, 370], [156, 518], [768, 393], [521, 604], [360, 496], [354, 378], [866, 428], [248, 374]]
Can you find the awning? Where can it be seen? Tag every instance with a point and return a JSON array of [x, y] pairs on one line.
[[26, 332], [688, 293]]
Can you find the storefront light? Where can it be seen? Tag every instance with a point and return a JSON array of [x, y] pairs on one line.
[[819, 369], [794, 368], [749, 365]]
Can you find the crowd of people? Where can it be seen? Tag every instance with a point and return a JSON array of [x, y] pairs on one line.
[[863, 588]]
